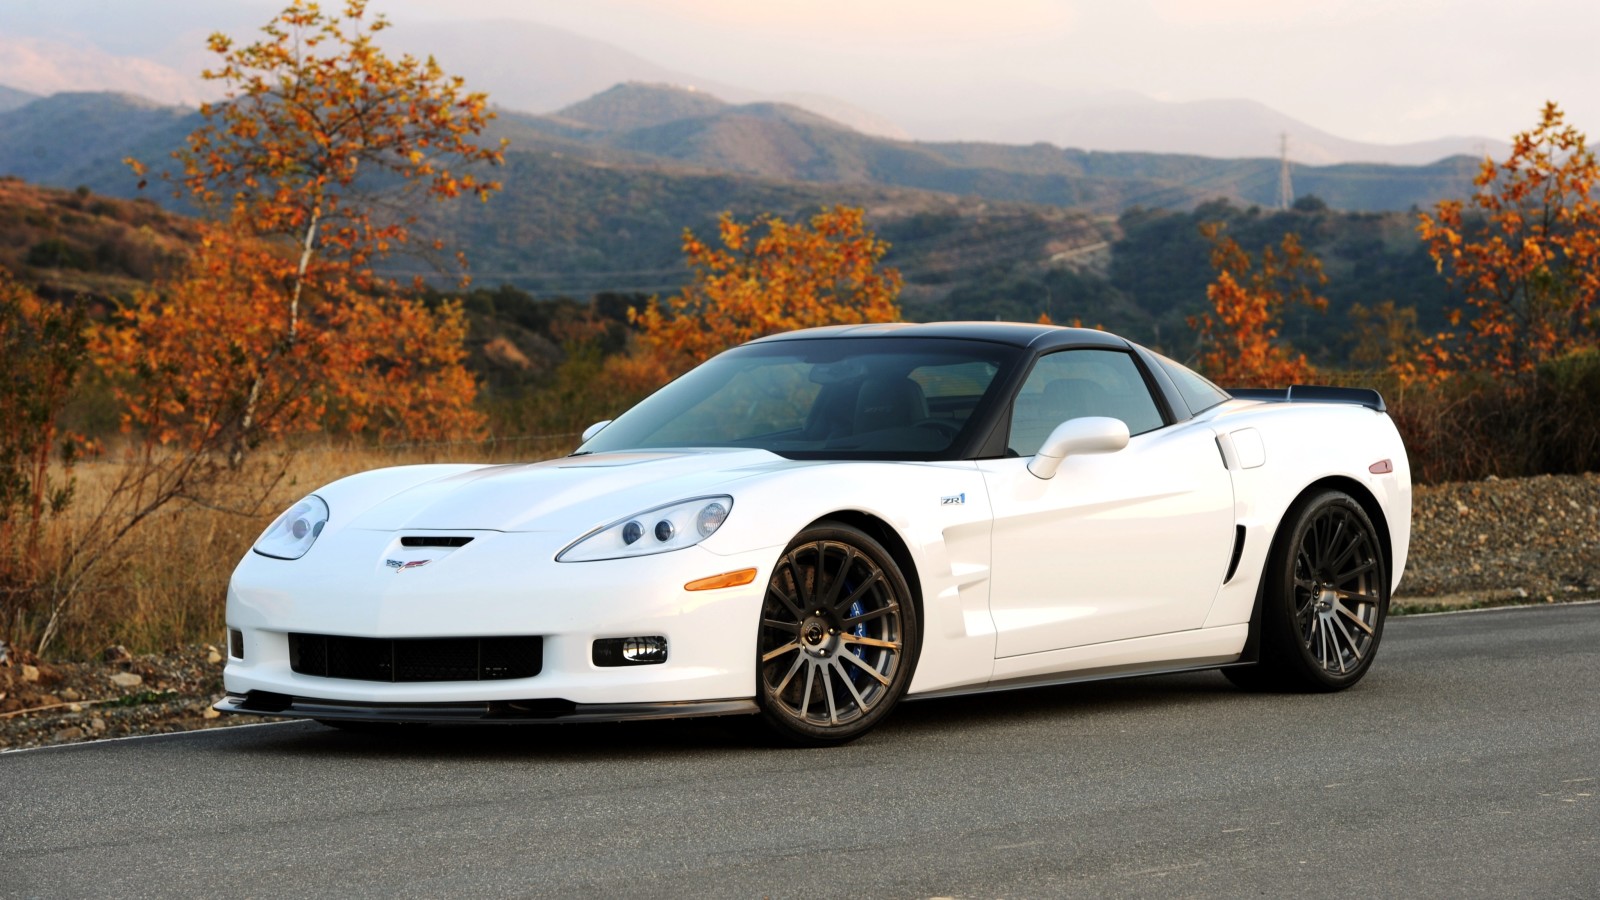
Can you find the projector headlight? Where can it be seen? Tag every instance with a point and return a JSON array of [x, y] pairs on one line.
[[295, 531], [659, 530]]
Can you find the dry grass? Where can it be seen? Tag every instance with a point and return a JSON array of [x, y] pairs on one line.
[[166, 583]]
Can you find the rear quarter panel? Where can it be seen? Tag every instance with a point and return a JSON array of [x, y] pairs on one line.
[[1303, 444]]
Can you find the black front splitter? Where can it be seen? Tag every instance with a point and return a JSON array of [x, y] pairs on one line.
[[495, 712]]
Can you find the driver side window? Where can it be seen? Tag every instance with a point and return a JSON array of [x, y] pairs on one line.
[[1075, 383]]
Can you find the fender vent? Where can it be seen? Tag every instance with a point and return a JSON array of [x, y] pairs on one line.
[[429, 541], [1238, 551]]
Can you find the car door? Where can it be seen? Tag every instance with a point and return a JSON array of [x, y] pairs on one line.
[[1116, 545]]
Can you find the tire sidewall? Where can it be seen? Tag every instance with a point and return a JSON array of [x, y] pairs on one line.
[[1281, 631], [796, 732]]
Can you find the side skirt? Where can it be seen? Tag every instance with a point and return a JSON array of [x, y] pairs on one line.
[[1183, 651], [1105, 674]]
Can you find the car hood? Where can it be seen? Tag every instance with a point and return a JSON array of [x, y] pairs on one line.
[[561, 494]]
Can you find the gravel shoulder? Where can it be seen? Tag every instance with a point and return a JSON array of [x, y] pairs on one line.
[[1484, 543]]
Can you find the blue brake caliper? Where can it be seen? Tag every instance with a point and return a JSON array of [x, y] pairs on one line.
[[859, 631]]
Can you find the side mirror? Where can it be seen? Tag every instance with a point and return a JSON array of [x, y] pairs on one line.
[[594, 429], [1090, 434]]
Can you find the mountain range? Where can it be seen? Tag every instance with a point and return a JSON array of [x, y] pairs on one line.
[[70, 139], [597, 196], [75, 45]]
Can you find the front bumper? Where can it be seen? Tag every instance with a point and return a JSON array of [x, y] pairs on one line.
[[560, 712], [500, 584]]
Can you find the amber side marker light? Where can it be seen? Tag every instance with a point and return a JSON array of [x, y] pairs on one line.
[[726, 579], [1381, 467]]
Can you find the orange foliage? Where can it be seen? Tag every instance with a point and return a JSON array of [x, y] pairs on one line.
[[194, 358], [41, 352], [315, 117], [767, 276], [1526, 252], [1387, 340], [317, 155], [1240, 335]]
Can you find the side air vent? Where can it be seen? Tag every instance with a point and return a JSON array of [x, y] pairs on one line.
[[431, 541], [1238, 551]]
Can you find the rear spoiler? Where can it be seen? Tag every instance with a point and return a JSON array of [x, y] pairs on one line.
[[1314, 393]]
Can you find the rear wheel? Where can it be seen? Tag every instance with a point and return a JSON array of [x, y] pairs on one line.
[[1324, 600], [838, 639]]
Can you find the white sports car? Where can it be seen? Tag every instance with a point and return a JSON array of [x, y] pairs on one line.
[[812, 526]]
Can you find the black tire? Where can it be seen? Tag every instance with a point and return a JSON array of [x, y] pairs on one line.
[[1324, 600], [838, 638]]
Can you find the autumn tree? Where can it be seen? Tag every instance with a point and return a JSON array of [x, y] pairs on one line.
[[1524, 251], [1385, 338], [1239, 337], [212, 368], [313, 167], [766, 276], [42, 352], [318, 158]]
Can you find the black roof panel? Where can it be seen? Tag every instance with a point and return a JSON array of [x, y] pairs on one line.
[[1017, 334]]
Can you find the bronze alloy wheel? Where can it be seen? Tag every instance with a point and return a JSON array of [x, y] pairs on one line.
[[838, 637]]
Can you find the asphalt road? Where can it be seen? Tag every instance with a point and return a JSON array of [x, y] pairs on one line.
[[1467, 764]]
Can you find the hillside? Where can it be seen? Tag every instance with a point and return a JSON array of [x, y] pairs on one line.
[[1152, 275], [567, 226], [596, 199], [11, 98], [776, 140], [72, 139], [75, 245]]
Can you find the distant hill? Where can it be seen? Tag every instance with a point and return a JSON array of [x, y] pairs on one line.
[[539, 68], [566, 226], [634, 105], [786, 142], [157, 49], [11, 98], [73, 139], [1125, 121], [596, 199]]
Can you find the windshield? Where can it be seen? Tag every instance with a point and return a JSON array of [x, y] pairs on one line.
[[834, 398]]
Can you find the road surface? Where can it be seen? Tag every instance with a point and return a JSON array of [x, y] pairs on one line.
[[1466, 764]]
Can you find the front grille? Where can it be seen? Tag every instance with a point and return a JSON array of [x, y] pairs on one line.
[[416, 659]]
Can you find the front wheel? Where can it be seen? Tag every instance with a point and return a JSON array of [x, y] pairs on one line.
[[838, 639], [1324, 599]]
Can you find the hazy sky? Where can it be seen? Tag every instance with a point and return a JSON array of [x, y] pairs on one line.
[[1377, 71]]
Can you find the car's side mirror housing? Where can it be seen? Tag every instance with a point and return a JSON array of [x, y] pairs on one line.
[[1074, 437], [594, 429]]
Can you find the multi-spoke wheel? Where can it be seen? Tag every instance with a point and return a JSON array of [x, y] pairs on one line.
[[1324, 599], [838, 638]]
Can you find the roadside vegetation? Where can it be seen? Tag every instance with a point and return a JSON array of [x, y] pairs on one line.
[[171, 383]]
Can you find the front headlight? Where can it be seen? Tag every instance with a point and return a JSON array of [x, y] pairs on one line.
[[670, 527], [295, 531]]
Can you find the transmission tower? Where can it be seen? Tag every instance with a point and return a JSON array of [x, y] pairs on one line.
[[1285, 185]]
